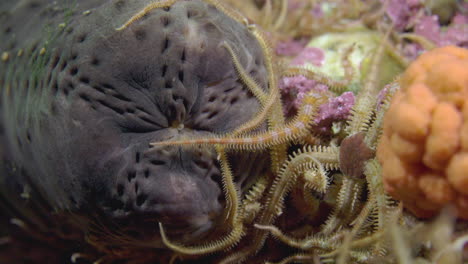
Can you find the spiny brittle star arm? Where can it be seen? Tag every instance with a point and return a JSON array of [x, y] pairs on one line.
[[146, 10], [232, 214], [280, 135], [338, 86], [265, 100], [315, 241], [282, 184], [361, 113], [297, 258], [251, 84], [269, 102], [310, 74], [276, 119], [167, 3], [346, 203]]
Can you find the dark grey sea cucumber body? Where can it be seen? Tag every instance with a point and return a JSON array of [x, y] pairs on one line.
[[81, 101]]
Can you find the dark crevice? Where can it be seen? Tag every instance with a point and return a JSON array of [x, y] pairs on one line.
[[139, 108], [74, 71], [82, 38], [165, 45], [115, 109], [209, 27], [182, 57], [70, 86], [147, 120], [140, 34], [84, 80], [55, 61], [95, 62], [212, 114], [181, 76], [131, 175], [98, 88], [229, 89], [201, 164], [164, 70], [141, 198], [165, 21], [120, 190], [55, 88], [64, 65], [121, 97], [191, 13], [49, 79], [168, 84], [85, 97], [158, 162], [234, 100], [107, 86]]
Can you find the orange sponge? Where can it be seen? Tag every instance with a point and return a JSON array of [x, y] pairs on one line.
[[424, 147]]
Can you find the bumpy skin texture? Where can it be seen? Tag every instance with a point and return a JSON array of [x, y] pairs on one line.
[[80, 103], [424, 147]]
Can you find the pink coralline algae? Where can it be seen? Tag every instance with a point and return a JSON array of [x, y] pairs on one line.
[[411, 14], [290, 47], [312, 55], [293, 90], [455, 34], [401, 12], [336, 109]]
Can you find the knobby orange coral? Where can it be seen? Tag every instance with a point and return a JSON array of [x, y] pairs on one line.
[[424, 147]]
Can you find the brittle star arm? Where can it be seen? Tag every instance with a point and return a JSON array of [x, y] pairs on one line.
[[346, 203], [270, 103], [233, 217], [146, 10], [276, 119], [251, 84], [167, 3], [279, 135], [361, 113], [329, 242], [337, 86], [265, 103], [282, 184], [297, 258]]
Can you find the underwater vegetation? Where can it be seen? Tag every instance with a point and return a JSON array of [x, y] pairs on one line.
[[225, 131]]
